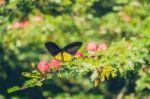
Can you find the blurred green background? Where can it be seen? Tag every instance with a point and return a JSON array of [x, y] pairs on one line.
[[25, 25]]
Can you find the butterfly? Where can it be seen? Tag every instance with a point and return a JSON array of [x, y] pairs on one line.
[[63, 54]]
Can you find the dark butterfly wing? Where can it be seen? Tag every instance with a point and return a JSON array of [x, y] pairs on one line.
[[53, 48], [72, 48]]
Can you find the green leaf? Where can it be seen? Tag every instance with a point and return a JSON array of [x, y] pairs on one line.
[[26, 74], [113, 74], [13, 89], [39, 84], [31, 75], [30, 82]]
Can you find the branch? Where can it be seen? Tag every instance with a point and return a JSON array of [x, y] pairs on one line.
[[123, 90]]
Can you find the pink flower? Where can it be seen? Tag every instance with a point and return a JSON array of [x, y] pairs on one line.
[[25, 23], [18, 25], [126, 18], [92, 47], [79, 54], [43, 66], [55, 63], [37, 18], [102, 46]]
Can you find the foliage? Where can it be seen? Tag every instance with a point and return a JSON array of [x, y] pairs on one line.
[[122, 24]]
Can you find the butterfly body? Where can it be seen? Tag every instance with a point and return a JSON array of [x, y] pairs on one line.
[[63, 54]]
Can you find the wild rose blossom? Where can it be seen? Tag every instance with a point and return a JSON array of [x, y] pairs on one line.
[[43, 66]]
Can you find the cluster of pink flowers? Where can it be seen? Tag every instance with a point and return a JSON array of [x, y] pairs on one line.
[[44, 66], [18, 25], [93, 47], [25, 23]]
